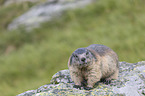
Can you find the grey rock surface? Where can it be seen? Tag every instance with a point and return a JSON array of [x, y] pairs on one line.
[[46, 12], [131, 82]]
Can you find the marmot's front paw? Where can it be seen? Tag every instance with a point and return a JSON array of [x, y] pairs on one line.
[[77, 86], [88, 88]]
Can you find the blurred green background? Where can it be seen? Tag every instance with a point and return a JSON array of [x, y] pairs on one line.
[[29, 59]]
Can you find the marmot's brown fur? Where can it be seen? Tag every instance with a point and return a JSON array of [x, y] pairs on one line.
[[91, 64]]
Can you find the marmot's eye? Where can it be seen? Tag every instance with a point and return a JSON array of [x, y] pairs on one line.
[[87, 53], [76, 56]]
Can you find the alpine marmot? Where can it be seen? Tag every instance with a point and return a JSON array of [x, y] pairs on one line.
[[92, 64]]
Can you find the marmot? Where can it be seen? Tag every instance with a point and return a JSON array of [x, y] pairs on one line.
[[92, 64]]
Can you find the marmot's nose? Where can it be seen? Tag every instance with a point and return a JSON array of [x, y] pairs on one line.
[[83, 59]]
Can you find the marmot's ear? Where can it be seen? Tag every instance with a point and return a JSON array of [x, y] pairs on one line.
[[71, 60], [73, 55]]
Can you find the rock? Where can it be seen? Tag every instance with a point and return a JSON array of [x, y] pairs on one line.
[[131, 82], [45, 12], [61, 77]]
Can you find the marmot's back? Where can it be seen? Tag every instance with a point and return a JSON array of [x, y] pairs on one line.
[[101, 49], [106, 52]]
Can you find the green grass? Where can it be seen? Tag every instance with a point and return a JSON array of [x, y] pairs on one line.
[[37, 55]]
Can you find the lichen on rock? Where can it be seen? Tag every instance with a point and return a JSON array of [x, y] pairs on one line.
[[131, 82]]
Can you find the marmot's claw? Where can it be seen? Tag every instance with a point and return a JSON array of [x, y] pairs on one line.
[[88, 88], [107, 82], [77, 86]]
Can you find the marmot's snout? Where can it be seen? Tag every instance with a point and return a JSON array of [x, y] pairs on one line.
[[83, 59], [83, 62]]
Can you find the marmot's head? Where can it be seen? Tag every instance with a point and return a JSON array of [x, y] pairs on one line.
[[81, 57]]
